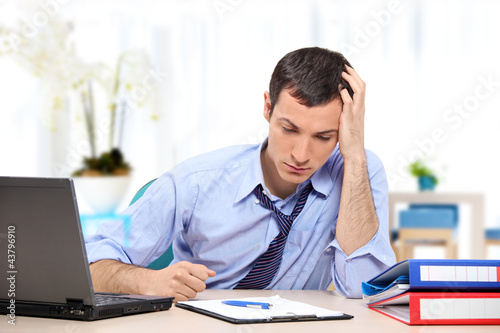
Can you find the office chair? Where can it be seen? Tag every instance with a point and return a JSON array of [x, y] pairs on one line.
[[427, 224], [492, 237], [166, 258]]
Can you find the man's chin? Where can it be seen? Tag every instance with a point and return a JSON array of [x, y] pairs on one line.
[[294, 178]]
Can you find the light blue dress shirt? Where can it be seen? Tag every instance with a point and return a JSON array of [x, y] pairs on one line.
[[206, 208]]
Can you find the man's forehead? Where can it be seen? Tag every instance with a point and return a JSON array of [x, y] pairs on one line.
[[290, 108], [286, 97]]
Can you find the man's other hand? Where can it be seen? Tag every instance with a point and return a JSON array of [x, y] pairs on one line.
[[182, 280]]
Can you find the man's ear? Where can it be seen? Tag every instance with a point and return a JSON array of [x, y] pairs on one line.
[[267, 105]]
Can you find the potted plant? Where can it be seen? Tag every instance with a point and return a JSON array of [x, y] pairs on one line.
[[427, 179], [69, 84], [104, 178]]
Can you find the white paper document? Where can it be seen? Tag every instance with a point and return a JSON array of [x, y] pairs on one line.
[[282, 309]]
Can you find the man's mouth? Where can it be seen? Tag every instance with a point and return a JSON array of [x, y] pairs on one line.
[[296, 169]]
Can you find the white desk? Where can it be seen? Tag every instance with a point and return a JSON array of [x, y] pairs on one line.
[[476, 200], [180, 321]]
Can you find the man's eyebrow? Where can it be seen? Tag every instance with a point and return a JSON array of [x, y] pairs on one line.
[[297, 127], [333, 130], [288, 121]]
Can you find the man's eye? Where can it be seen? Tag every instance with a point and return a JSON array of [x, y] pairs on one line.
[[323, 138], [288, 130]]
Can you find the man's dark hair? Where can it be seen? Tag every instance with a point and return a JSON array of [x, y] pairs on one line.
[[311, 74]]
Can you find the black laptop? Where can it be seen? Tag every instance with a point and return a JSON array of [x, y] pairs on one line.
[[46, 272]]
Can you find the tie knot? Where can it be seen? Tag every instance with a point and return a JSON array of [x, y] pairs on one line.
[[266, 202]]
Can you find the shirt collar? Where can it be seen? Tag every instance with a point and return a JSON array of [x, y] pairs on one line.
[[253, 176], [321, 179]]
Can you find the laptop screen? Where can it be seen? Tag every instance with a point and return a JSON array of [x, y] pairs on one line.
[[49, 262]]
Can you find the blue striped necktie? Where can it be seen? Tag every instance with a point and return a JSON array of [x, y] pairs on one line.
[[268, 264]]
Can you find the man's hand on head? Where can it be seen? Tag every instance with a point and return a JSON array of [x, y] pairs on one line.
[[352, 119], [357, 221]]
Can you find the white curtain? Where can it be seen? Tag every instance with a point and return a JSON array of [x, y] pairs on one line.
[[423, 62]]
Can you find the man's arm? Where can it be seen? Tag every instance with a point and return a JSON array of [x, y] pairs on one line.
[[357, 222], [182, 280]]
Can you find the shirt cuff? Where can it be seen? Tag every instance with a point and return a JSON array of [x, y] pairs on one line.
[[362, 265]]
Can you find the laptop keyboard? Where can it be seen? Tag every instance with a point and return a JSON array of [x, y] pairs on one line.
[[104, 299]]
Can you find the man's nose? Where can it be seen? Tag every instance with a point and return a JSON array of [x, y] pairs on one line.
[[301, 151]]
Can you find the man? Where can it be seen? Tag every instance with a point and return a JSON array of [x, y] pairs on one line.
[[294, 212]]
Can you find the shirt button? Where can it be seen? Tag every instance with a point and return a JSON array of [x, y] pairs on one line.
[[329, 249], [257, 201]]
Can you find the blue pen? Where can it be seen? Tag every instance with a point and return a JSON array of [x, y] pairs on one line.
[[245, 304]]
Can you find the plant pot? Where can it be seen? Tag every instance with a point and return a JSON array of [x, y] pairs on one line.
[[426, 183], [103, 194]]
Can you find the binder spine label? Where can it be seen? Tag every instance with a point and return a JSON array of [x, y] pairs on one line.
[[460, 308], [460, 273]]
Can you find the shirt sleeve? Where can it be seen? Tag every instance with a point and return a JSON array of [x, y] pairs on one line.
[[377, 255], [156, 219]]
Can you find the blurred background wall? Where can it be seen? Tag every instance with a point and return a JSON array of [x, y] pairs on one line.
[[431, 68]]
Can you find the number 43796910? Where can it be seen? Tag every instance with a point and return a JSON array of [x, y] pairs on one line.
[[11, 253]]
